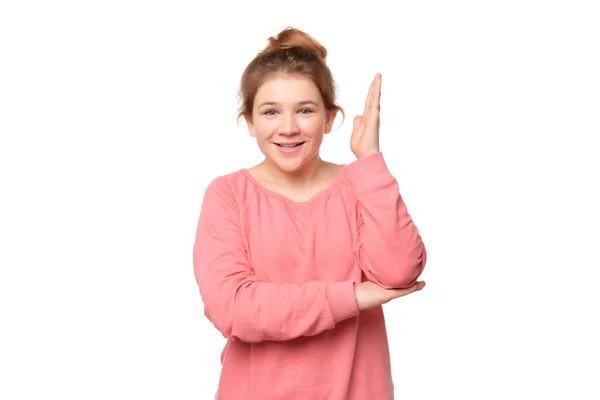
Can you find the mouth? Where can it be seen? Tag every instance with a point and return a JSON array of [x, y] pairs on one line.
[[289, 145]]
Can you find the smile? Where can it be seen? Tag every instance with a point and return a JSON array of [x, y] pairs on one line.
[[289, 148]]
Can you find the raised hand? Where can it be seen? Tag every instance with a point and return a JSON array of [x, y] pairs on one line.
[[369, 294], [365, 133]]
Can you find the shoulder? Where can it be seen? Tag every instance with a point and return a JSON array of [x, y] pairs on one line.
[[227, 188]]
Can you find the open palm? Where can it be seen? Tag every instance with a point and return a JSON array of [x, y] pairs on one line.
[[365, 133], [369, 294]]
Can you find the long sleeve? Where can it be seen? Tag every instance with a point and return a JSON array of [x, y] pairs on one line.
[[236, 302], [389, 248]]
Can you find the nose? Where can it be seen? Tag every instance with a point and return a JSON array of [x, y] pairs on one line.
[[289, 125]]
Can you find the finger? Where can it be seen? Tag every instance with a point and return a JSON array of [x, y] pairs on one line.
[[377, 94], [374, 90], [368, 100], [374, 107], [413, 288]]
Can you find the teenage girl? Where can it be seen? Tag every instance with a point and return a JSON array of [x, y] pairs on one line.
[[295, 256]]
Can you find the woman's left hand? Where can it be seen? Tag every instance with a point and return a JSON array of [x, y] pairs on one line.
[[365, 133]]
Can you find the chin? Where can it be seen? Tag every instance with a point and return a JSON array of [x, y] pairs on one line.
[[289, 166], [290, 163]]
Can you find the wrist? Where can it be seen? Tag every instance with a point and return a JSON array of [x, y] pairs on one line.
[[359, 294], [367, 153]]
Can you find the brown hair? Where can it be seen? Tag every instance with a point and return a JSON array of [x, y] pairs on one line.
[[292, 51]]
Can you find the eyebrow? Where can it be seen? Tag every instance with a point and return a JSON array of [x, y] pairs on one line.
[[300, 103]]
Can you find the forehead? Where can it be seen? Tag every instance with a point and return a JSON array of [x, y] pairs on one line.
[[288, 89]]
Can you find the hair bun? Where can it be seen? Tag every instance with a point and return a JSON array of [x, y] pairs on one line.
[[292, 37]]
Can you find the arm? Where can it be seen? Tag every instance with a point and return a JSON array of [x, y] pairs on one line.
[[390, 250], [237, 303]]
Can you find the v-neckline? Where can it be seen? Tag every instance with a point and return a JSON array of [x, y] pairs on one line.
[[320, 194]]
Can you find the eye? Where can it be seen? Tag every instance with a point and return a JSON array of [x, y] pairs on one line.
[[306, 109], [268, 111]]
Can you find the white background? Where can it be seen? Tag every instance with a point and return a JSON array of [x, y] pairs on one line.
[[115, 115]]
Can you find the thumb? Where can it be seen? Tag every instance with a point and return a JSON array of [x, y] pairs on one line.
[[357, 121]]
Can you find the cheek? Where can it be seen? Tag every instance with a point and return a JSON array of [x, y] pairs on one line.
[[264, 127], [312, 127]]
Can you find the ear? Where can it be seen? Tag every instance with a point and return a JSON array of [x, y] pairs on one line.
[[330, 118], [250, 125]]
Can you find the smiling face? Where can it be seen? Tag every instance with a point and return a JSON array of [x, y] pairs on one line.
[[289, 120]]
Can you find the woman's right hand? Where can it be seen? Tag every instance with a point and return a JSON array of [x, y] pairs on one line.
[[369, 294]]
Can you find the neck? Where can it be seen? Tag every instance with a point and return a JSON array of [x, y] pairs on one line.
[[303, 176]]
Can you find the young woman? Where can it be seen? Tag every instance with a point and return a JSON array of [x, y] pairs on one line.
[[295, 256]]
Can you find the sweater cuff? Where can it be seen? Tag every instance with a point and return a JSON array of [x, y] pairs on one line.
[[342, 300], [369, 173]]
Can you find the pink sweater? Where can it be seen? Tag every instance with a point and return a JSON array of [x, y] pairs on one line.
[[276, 279]]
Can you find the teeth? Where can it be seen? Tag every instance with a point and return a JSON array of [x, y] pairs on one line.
[[288, 145]]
